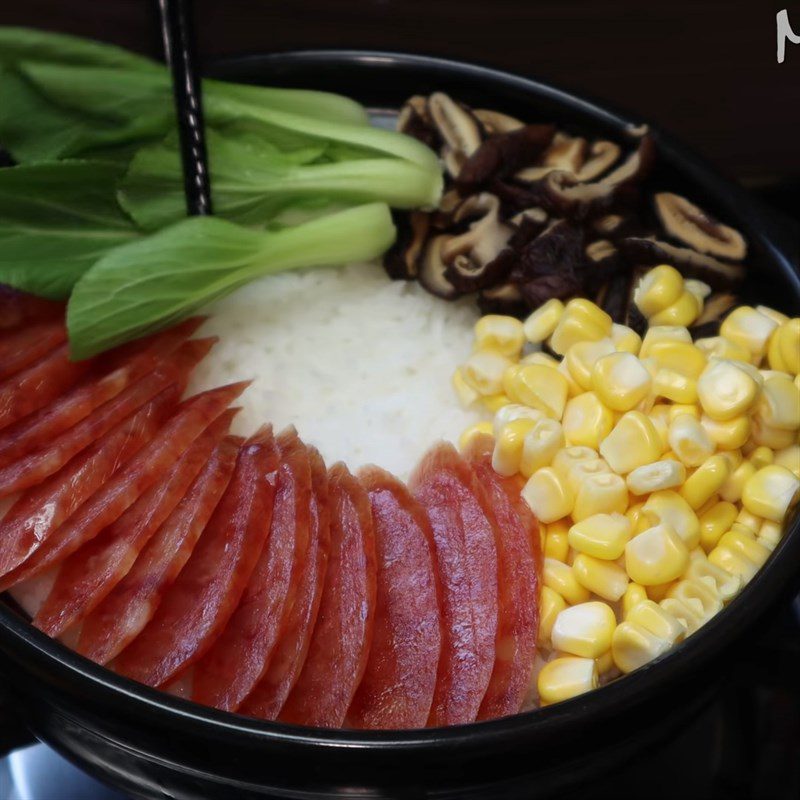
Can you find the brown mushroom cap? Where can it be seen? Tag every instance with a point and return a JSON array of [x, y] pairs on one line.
[[602, 156], [636, 166], [432, 270], [496, 122], [457, 126], [690, 225]]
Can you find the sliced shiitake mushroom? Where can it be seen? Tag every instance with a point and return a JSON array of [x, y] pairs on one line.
[[647, 251], [636, 166], [496, 122], [432, 270], [414, 120], [562, 195], [690, 225], [505, 298], [457, 126], [602, 156], [402, 259], [565, 153], [715, 309], [615, 296], [503, 155]]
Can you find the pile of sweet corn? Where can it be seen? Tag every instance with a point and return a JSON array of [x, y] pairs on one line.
[[660, 470]]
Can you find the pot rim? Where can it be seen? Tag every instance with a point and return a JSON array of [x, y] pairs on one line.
[[779, 574]]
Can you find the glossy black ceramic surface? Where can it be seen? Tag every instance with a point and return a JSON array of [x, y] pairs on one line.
[[154, 746]]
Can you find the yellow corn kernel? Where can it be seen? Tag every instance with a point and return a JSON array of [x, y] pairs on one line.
[[632, 647], [716, 521], [565, 459], [761, 457], [538, 357], [779, 403], [670, 508], [699, 595], [603, 578], [584, 630], [539, 387], [720, 347], [605, 664], [675, 386], [774, 354], [689, 440], [581, 321], [652, 618], [705, 481], [699, 289], [689, 615], [778, 316], [657, 555], [658, 591], [551, 605], [602, 536], [659, 416], [734, 457], [511, 412], [728, 435], [769, 534], [577, 474], [465, 393], [683, 409], [789, 457], [507, 452], [726, 390], [725, 585], [494, 402], [604, 493], [732, 562], [774, 438], [661, 333], [581, 358], [542, 322], [750, 521], [634, 594], [633, 442], [707, 506], [625, 339], [500, 333], [749, 329], [478, 429], [658, 289], [640, 520], [548, 495], [621, 381], [679, 357], [541, 444], [790, 345], [586, 420], [684, 311], [483, 371], [733, 487], [656, 476], [561, 579], [556, 541], [563, 678], [771, 492], [744, 543]]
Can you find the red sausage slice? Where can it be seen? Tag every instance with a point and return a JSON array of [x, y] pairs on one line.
[[240, 656], [518, 579], [90, 573], [34, 468], [197, 607], [398, 684], [190, 419], [38, 430], [37, 513], [267, 699], [341, 640], [23, 347], [122, 615], [39, 384], [17, 308], [466, 557]]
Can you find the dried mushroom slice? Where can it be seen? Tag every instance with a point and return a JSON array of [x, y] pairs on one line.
[[414, 120], [649, 251], [505, 298], [636, 166], [457, 126], [565, 153], [496, 122], [692, 226], [602, 156], [401, 261], [432, 270]]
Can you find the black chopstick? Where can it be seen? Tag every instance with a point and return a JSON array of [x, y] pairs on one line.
[[178, 34]]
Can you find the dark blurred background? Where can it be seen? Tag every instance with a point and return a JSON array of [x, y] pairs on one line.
[[705, 69]]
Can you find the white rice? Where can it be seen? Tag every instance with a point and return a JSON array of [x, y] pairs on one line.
[[360, 364]]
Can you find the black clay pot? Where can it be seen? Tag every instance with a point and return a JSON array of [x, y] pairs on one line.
[[152, 745]]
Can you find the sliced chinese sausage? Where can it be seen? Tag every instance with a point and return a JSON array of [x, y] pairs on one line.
[[37, 513], [267, 699], [92, 571], [240, 656], [397, 688], [39, 384], [18, 308], [518, 582], [115, 496], [464, 534], [342, 635], [37, 430], [35, 467], [197, 607], [123, 614], [24, 346]]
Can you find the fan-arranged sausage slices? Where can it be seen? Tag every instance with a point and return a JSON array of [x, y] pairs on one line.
[[245, 574]]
